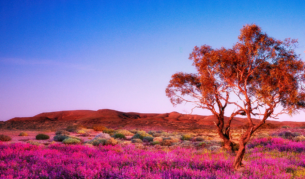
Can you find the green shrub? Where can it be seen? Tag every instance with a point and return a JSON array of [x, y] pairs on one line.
[[60, 138], [42, 137], [155, 143], [141, 135], [62, 132], [158, 139], [136, 141], [98, 141], [134, 131], [5, 138], [186, 137], [119, 136], [71, 140], [286, 127], [148, 139], [99, 127], [108, 131], [124, 132], [23, 134], [73, 128], [111, 141], [33, 142]]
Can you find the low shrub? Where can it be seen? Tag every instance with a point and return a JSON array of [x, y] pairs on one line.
[[155, 143], [33, 142], [186, 137], [23, 134], [158, 139], [109, 131], [141, 135], [62, 132], [199, 139], [111, 141], [42, 137], [81, 131], [5, 138], [71, 140], [124, 132], [136, 141], [148, 139], [103, 135], [98, 141], [74, 128], [300, 138], [134, 131], [60, 138], [119, 136], [99, 127]]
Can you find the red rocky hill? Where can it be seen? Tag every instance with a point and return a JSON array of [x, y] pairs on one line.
[[129, 120]]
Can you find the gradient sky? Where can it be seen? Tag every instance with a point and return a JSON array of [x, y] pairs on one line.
[[69, 55]]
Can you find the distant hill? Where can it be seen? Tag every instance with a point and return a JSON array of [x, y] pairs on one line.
[[129, 120]]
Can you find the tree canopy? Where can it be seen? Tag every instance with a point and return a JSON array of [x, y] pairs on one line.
[[261, 72]]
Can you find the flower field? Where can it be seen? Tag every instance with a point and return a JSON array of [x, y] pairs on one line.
[[268, 157]]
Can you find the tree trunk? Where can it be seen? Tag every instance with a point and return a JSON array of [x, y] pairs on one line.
[[228, 145], [239, 156]]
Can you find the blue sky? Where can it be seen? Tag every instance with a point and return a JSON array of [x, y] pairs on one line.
[[68, 55]]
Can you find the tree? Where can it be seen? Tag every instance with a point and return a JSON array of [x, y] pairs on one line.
[[265, 75]]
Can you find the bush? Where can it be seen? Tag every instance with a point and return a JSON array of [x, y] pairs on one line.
[[33, 142], [81, 131], [99, 127], [286, 127], [71, 140], [111, 141], [60, 138], [42, 137], [124, 132], [136, 141], [134, 131], [98, 141], [62, 132], [5, 138], [119, 136], [108, 131], [148, 139], [199, 139], [73, 128], [23, 134], [155, 143], [158, 139], [103, 135], [141, 135], [186, 137], [300, 138]]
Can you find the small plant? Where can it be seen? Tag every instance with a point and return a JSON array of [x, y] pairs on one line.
[[60, 138], [82, 131], [158, 139], [141, 135], [155, 143], [199, 139], [103, 135], [99, 127], [136, 141], [73, 128], [286, 127], [42, 137], [111, 141], [119, 136], [148, 139], [5, 138], [33, 142], [71, 140], [62, 132], [98, 141], [124, 132], [186, 137], [108, 131], [23, 134], [134, 131]]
